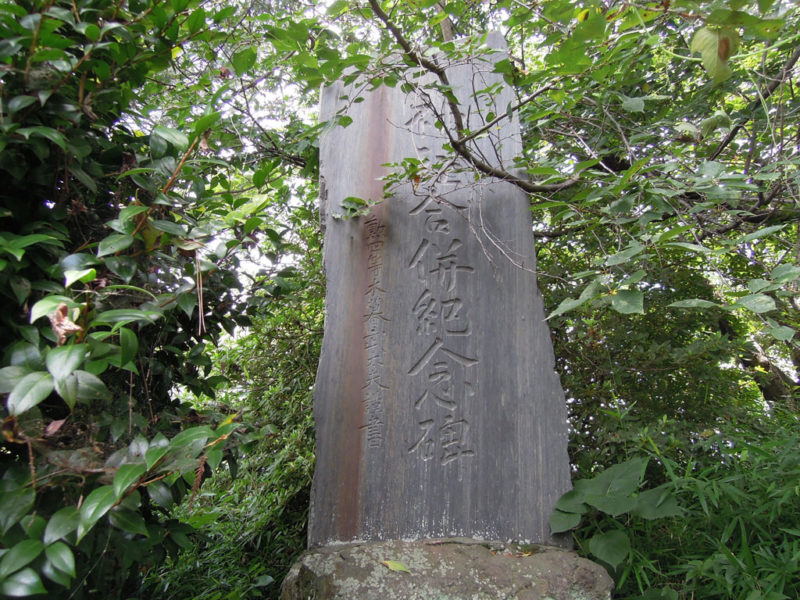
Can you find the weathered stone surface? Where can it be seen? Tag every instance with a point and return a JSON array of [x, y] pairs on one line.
[[438, 411], [454, 569]]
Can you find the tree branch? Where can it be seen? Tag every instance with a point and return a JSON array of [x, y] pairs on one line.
[[766, 93], [459, 144]]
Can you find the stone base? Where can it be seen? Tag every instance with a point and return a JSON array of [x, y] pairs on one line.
[[446, 569]]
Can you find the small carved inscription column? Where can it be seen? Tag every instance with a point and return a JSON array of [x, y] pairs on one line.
[[438, 411]]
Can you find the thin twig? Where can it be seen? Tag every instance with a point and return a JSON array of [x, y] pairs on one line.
[[771, 87]]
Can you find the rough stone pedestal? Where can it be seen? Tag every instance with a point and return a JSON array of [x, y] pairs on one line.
[[446, 569]]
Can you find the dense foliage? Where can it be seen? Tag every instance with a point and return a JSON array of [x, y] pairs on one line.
[[160, 274]]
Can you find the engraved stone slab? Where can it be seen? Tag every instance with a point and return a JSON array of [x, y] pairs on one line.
[[438, 411]]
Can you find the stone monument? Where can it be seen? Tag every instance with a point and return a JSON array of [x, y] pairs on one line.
[[438, 411]]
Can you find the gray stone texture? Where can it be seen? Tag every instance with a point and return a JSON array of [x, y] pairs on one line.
[[454, 569], [438, 411]]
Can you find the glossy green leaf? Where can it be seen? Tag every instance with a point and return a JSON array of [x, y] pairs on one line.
[[61, 524], [191, 435], [83, 275], [154, 454], [22, 583], [129, 521], [53, 574], [129, 345], [19, 556], [160, 494], [14, 504], [123, 266], [60, 555], [48, 305], [96, 504], [18, 103], [127, 315], [30, 391], [116, 242], [63, 360], [126, 476], [11, 376], [173, 136], [48, 133]]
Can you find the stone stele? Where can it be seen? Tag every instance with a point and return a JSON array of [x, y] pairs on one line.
[[451, 569], [438, 410]]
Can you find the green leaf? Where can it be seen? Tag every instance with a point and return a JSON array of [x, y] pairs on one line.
[[169, 227], [84, 276], [620, 479], [160, 494], [129, 344], [48, 305], [62, 361], [568, 304], [130, 211], [785, 273], [625, 255], [632, 104], [97, 504], [11, 376], [656, 504], [191, 435], [611, 505], [14, 504], [127, 315], [122, 266], [81, 385], [49, 133], [572, 502], [715, 46], [693, 303], [126, 476], [196, 20], [154, 454], [761, 233], [758, 303], [244, 60], [29, 392], [611, 547], [128, 520], [60, 555], [17, 103], [173, 136], [561, 521], [782, 333], [22, 583], [395, 565], [628, 302], [61, 524], [116, 242], [20, 555], [53, 574]]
